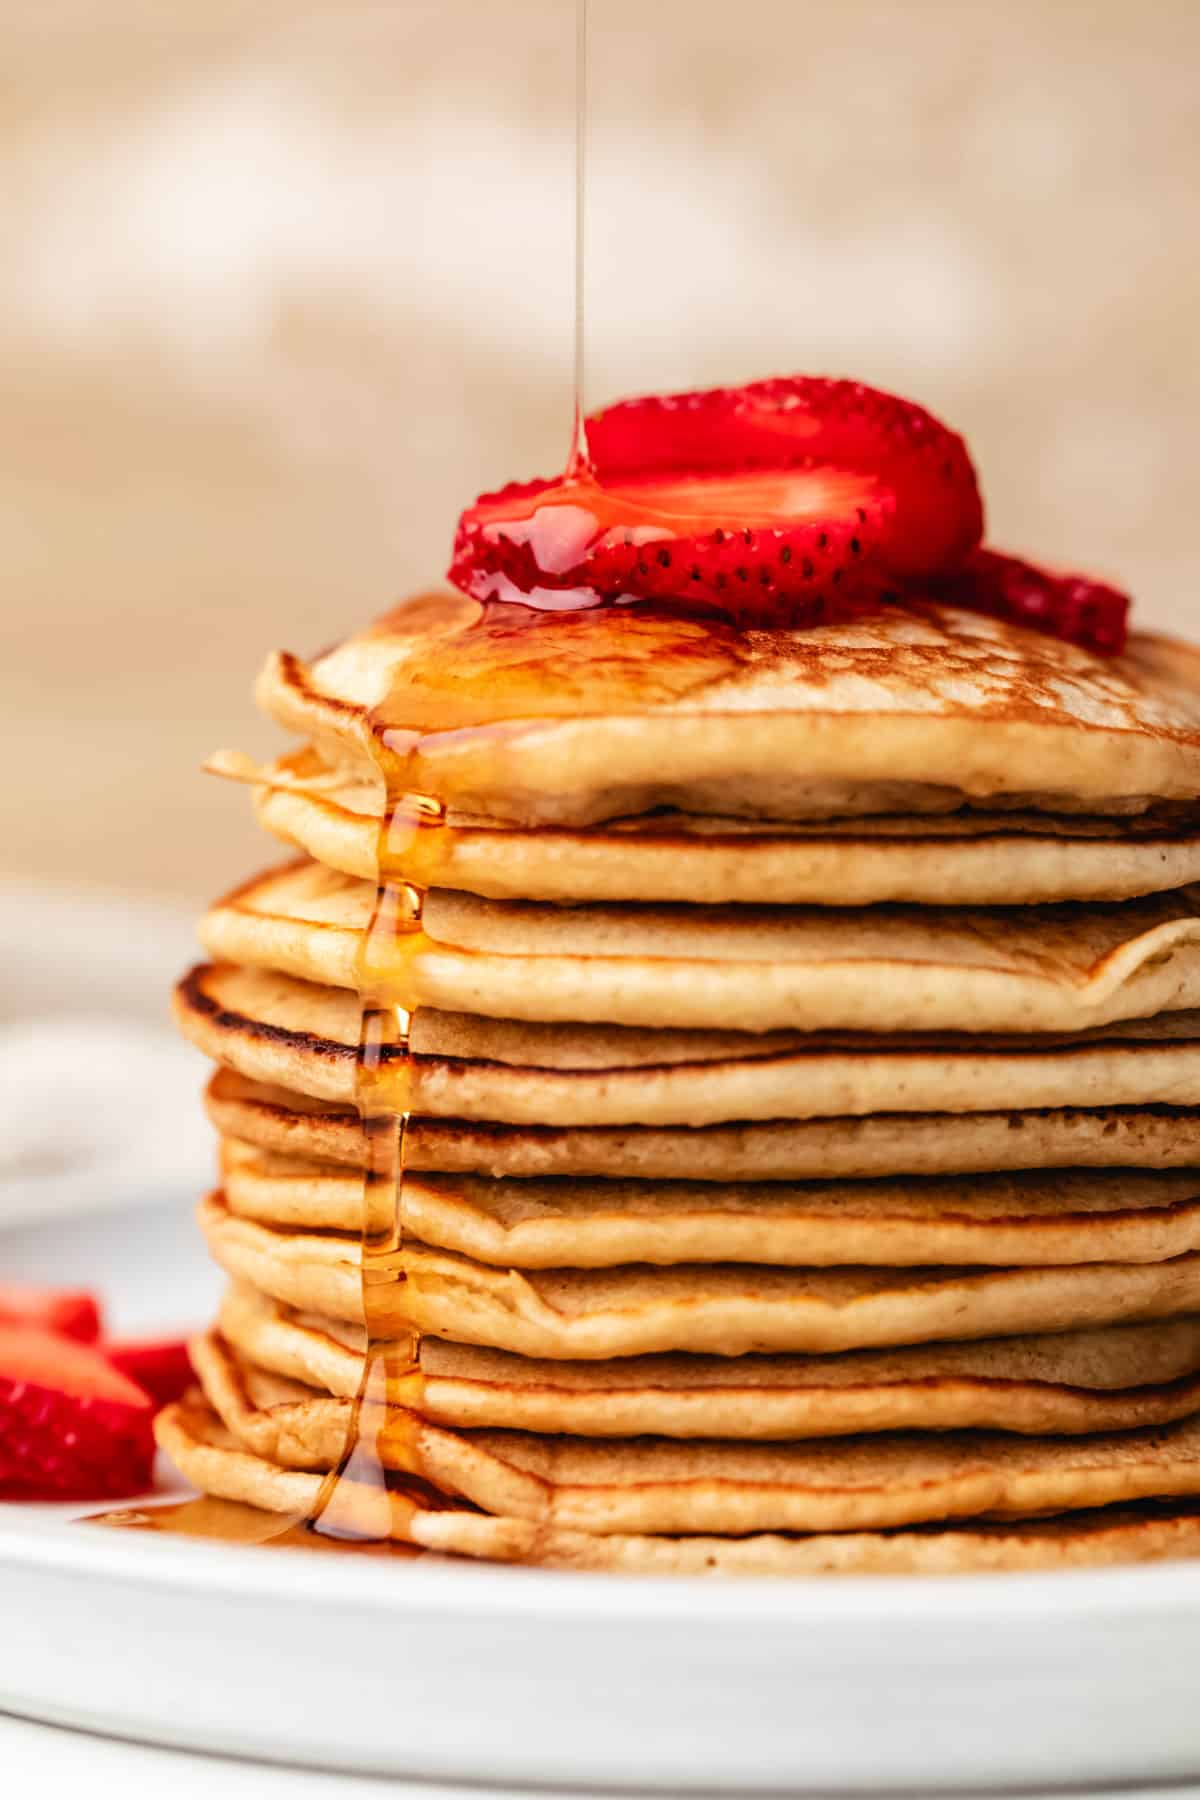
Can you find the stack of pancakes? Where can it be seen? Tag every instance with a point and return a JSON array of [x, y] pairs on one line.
[[803, 1170]]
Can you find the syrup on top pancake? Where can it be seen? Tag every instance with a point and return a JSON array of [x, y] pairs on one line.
[[575, 718]]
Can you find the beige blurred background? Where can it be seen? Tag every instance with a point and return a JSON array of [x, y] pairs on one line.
[[285, 284]]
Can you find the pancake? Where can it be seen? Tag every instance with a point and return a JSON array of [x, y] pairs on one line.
[[526, 1043], [276, 1029], [716, 1309], [1115, 1378], [1025, 1219], [771, 968], [962, 859], [657, 1485], [290, 1123], [208, 1455], [599, 715]]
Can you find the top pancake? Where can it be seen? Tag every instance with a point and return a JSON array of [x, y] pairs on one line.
[[592, 716]]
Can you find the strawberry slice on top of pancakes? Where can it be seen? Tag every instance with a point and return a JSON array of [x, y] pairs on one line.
[[795, 501]]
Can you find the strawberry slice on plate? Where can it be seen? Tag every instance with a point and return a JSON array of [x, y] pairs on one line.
[[161, 1367], [71, 1311], [792, 501], [71, 1426], [1072, 607]]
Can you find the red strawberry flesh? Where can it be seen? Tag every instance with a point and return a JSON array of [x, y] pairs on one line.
[[162, 1368], [73, 1312], [71, 1426], [796, 422], [573, 548]]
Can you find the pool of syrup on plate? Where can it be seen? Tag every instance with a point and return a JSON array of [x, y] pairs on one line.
[[231, 1522]]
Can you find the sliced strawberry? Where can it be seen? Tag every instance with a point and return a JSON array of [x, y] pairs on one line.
[[809, 422], [161, 1367], [790, 501], [567, 545], [1073, 607], [73, 1312], [71, 1426]]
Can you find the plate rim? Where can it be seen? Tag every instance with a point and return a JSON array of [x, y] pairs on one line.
[[1071, 1597]]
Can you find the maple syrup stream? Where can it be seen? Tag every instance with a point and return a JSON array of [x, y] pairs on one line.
[[379, 1482]]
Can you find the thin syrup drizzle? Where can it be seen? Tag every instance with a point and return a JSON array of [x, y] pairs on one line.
[[578, 460]]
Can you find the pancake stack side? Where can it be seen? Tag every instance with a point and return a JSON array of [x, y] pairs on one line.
[[803, 1164]]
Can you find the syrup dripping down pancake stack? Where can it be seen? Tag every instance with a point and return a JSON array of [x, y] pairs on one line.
[[803, 1162]]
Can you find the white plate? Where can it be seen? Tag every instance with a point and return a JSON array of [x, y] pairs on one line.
[[509, 1675]]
